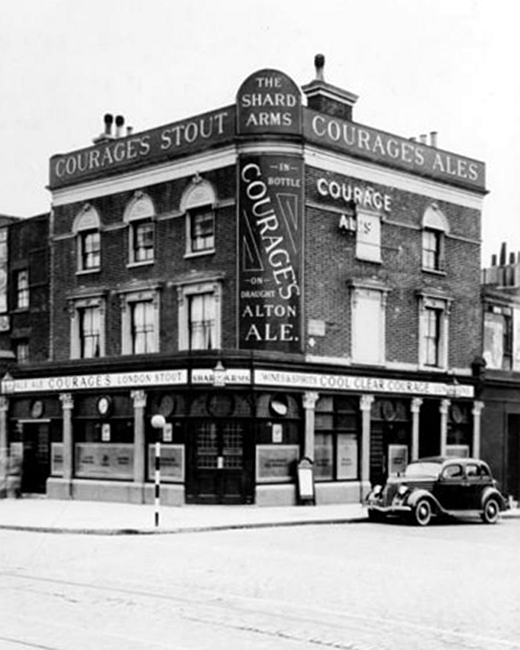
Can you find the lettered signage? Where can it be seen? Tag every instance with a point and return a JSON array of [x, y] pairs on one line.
[[270, 216], [269, 102], [378, 146]]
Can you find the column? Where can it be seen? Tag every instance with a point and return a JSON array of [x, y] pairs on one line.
[[443, 409], [476, 412], [415, 409], [365, 405], [4, 406], [67, 404], [139, 398], [309, 404]]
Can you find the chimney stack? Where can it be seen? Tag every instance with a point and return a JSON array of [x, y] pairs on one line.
[[326, 98], [120, 121]]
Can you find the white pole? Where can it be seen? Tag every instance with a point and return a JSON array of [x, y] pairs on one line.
[[158, 423]]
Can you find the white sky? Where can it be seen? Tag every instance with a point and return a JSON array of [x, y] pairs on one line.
[[417, 65]]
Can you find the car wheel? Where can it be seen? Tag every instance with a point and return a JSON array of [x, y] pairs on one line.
[[375, 515], [491, 512], [422, 513]]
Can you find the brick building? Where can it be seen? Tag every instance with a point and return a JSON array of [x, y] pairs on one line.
[[277, 281], [500, 388]]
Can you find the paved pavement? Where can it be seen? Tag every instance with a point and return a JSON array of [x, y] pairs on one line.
[[92, 517]]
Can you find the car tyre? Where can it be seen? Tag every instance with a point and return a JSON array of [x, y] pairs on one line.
[[375, 515], [422, 513], [491, 511]]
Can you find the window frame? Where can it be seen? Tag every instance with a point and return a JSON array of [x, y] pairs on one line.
[[186, 293], [87, 224], [199, 199], [435, 229], [440, 309], [22, 295], [140, 212], [128, 303], [77, 339]]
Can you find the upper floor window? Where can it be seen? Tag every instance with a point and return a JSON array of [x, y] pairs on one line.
[[433, 331], [498, 337], [140, 215], [140, 322], [88, 329], [198, 204], [87, 231], [368, 323], [199, 316], [22, 289], [22, 351], [435, 228]]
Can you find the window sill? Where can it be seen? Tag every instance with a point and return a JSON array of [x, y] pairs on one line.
[[88, 271], [132, 265], [189, 254], [439, 272]]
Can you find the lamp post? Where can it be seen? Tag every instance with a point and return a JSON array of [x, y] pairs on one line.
[[158, 422]]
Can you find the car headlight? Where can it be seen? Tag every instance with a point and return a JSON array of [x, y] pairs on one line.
[[377, 490], [403, 489]]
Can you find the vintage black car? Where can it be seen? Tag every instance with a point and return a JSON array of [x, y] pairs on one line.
[[438, 486]]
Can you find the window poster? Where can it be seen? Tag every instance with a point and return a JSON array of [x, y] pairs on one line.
[[493, 340], [347, 457], [397, 459]]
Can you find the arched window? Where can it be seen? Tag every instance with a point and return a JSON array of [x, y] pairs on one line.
[[198, 204], [140, 217], [435, 227], [86, 228]]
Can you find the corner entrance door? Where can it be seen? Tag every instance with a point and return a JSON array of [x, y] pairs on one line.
[[217, 463], [36, 457]]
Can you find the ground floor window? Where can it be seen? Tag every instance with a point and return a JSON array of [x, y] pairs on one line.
[[336, 440]]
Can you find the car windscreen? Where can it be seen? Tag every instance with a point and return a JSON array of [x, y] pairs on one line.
[[423, 469]]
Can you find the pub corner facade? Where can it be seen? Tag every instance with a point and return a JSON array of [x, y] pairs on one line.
[[276, 280]]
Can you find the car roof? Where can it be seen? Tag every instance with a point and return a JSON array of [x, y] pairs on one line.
[[445, 459]]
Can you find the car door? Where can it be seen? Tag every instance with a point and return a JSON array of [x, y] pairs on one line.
[[450, 488], [475, 481]]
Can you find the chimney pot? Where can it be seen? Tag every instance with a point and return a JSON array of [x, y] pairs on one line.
[[108, 119], [120, 120], [433, 138], [319, 64], [423, 138]]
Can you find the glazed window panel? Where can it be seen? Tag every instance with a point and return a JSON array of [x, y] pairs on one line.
[[347, 457], [202, 230], [432, 250], [22, 289], [90, 332], [22, 352], [202, 321], [432, 331], [143, 239], [89, 250], [323, 456], [142, 326]]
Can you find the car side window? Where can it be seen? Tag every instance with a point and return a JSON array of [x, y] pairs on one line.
[[474, 471], [452, 472]]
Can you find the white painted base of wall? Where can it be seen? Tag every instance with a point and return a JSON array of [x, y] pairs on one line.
[[114, 491]]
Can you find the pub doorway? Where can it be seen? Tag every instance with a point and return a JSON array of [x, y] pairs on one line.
[[219, 455]]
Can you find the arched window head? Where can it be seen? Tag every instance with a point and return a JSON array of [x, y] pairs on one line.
[[435, 228], [198, 203], [434, 219], [86, 228], [139, 215]]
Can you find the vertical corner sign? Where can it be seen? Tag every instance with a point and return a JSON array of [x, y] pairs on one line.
[[270, 216]]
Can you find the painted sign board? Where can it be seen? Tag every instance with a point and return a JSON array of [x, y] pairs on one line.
[[98, 460], [148, 147], [269, 101], [172, 463], [270, 241], [377, 146]]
